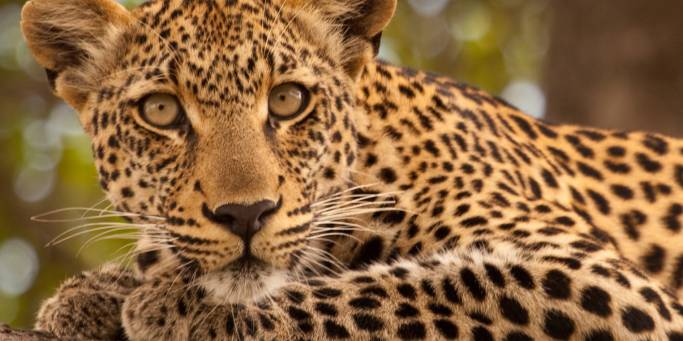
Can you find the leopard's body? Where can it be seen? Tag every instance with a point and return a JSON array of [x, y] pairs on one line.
[[466, 218]]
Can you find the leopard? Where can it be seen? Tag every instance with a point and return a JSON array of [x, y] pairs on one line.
[[288, 184]]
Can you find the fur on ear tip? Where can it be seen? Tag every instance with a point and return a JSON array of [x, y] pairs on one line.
[[57, 31], [30, 15], [72, 40], [372, 16]]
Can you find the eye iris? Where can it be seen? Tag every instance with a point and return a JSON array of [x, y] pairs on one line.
[[161, 110], [287, 100]]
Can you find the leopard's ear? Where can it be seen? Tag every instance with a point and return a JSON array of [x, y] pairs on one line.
[[363, 26], [361, 23], [72, 40], [370, 17]]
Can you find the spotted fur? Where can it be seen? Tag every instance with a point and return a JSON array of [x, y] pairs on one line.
[[409, 206]]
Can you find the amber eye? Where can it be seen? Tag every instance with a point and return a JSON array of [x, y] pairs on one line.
[[161, 110], [288, 100]]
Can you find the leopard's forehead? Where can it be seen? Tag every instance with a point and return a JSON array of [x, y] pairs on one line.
[[207, 19], [239, 27], [267, 11], [223, 53]]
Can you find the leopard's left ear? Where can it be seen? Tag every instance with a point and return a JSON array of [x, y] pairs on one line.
[[363, 27], [370, 17], [74, 41]]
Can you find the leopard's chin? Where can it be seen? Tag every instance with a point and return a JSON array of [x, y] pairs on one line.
[[242, 282]]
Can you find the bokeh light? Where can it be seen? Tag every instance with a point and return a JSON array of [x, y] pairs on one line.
[[527, 96], [428, 8], [18, 266], [472, 23]]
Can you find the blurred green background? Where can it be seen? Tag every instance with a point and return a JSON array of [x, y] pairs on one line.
[[45, 160]]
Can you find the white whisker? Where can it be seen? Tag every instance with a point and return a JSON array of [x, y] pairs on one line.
[[355, 197], [340, 229], [319, 261], [359, 212], [350, 189], [94, 206], [344, 208], [333, 234], [86, 228], [105, 214]]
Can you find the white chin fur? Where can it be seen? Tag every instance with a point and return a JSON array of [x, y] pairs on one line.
[[237, 287]]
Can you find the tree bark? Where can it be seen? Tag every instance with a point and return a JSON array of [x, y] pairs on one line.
[[9, 334], [617, 64]]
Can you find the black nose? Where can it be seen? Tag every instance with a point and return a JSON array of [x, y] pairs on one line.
[[245, 220]]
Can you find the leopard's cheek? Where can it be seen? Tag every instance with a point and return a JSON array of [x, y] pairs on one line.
[[139, 177]]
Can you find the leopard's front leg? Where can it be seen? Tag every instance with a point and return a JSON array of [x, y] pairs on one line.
[[504, 291], [88, 306]]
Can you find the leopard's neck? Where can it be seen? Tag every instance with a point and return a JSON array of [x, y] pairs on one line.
[[412, 123]]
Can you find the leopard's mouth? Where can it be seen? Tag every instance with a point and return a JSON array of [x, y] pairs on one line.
[[243, 281], [245, 265]]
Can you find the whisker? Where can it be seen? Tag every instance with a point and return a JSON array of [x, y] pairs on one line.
[[106, 208], [346, 207], [327, 240], [356, 197], [357, 212], [107, 214], [179, 272], [313, 257], [328, 222], [345, 203], [343, 229], [350, 189], [101, 236], [306, 262], [327, 254], [86, 228], [332, 234], [127, 258], [274, 23], [133, 250], [95, 206], [284, 30], [108, 235]]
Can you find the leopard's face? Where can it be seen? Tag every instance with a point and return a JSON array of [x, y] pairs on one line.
[[219, 127], [224, 128]]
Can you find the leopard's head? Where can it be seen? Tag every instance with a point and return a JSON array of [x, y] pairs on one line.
[[220, 127]]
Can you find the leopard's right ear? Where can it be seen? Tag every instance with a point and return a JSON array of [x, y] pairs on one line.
[[362, 23], [73, 41]]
